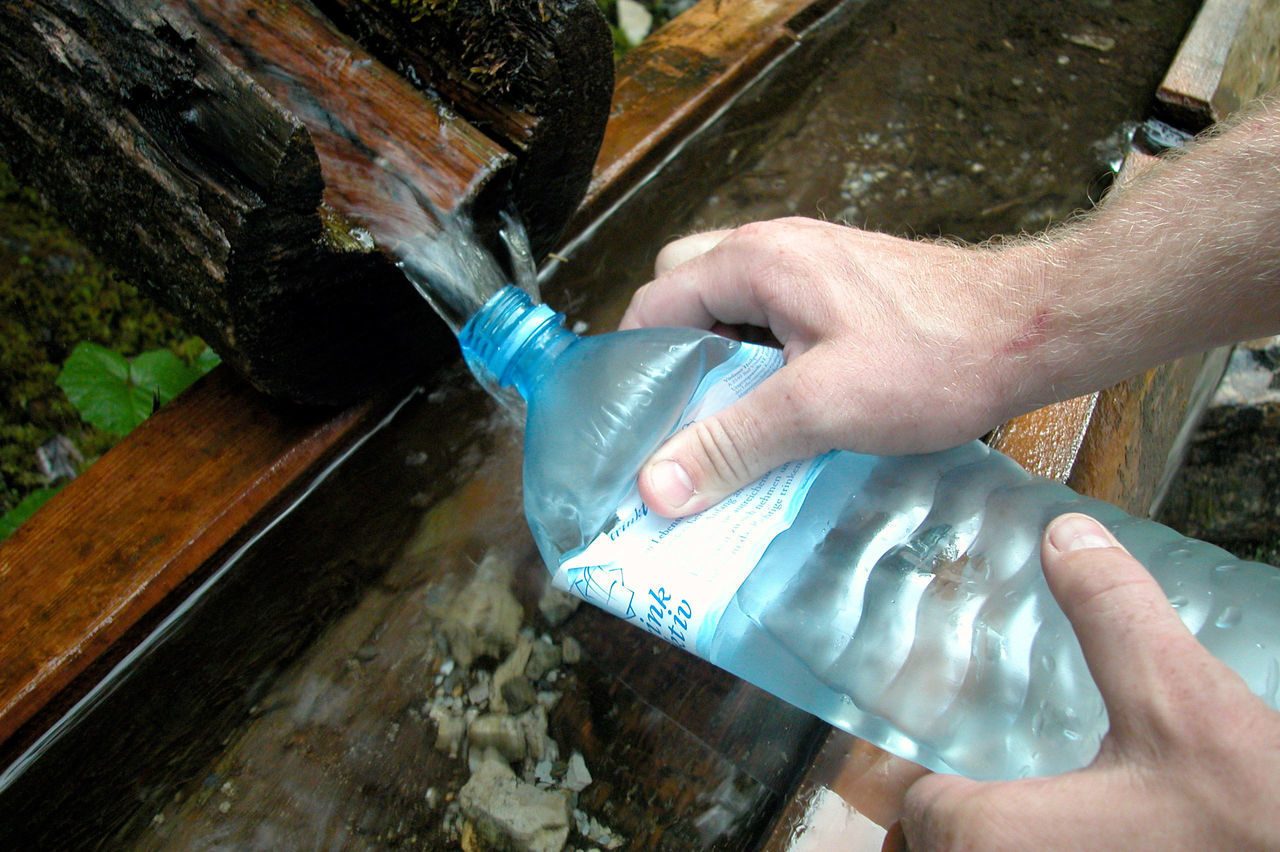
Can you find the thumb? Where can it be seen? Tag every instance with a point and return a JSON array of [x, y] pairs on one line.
[[713, 457], [1127, 630]]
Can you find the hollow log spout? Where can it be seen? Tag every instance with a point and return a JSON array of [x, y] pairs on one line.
[[248, 163], [529, 74]]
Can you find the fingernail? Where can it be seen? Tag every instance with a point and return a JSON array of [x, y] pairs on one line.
[[671, 483], [1078, 532]]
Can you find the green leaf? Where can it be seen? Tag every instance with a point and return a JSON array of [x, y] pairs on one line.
[[98, 383], [116, 394], [25, 509], [207, 360], [162, 373]]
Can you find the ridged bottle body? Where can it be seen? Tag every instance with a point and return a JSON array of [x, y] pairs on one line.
[[903, 601]]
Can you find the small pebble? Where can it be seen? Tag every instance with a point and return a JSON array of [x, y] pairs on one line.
[[519, 694]]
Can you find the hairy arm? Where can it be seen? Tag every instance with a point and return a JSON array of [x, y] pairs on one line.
[[1184, 258], [899, 346]]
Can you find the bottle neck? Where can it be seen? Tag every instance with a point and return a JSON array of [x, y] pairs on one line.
[[514, 340]]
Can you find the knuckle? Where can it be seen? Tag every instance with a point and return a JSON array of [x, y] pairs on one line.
[[718, 447]]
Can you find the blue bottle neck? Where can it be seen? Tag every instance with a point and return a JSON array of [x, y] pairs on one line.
[[514, 340]]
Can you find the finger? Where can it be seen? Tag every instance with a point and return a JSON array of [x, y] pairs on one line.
[[1130, 635], [713, 457], [687, 248], [876, 790], [717, 286], [1062, 812]]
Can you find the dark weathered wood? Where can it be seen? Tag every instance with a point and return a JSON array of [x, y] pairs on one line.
[[242, 160], [180, 169], [535, 76]]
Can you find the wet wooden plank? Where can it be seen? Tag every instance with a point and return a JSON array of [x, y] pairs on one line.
[[679, 76], [1047, 441], [1229, 57], [466, 52], [1252, 66], [102, 557]]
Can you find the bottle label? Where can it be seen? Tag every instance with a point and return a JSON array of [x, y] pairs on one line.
[[674, 577]]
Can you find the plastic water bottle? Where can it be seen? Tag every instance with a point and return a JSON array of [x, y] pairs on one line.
[[900, 599]]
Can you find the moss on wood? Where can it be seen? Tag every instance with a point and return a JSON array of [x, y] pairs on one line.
[[54, 294]]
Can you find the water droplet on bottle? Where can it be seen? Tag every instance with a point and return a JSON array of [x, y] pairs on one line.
[[1226, 567], [1037, 723], [1229, 617], [1178, 555], [1048, 663], [1178, 601]]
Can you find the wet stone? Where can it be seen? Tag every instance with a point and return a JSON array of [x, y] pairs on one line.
[[508, 813], [543, 657], [484, 619], [556, 605], [499, 732], [537, 742], [450, 730], [511, 668], [576, 775], [519, 694], [570, 651]]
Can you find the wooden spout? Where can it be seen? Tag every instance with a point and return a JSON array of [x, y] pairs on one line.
[[244, 161]]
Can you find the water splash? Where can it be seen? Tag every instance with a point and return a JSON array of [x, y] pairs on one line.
[[456, 273]]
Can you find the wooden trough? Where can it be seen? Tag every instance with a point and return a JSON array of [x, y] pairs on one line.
[[221, 633]]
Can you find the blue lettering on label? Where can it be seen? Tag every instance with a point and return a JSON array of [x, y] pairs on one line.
[[636, 514], [662, 615]]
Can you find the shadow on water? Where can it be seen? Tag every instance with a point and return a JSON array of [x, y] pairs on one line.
[[289, 705]]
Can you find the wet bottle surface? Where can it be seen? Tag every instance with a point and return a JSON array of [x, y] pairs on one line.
[[898, 598]]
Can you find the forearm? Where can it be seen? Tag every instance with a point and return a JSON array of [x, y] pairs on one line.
[[1184, 258]]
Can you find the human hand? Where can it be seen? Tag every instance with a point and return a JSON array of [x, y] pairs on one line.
[[892, 346], [1192, 759]]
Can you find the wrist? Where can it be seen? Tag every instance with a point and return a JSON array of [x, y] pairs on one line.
[[1026, 329]]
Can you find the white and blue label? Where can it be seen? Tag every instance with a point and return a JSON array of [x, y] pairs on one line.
[[674, 577]]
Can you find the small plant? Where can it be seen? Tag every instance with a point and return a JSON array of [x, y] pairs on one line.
[[25, 509], [115, 394]]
